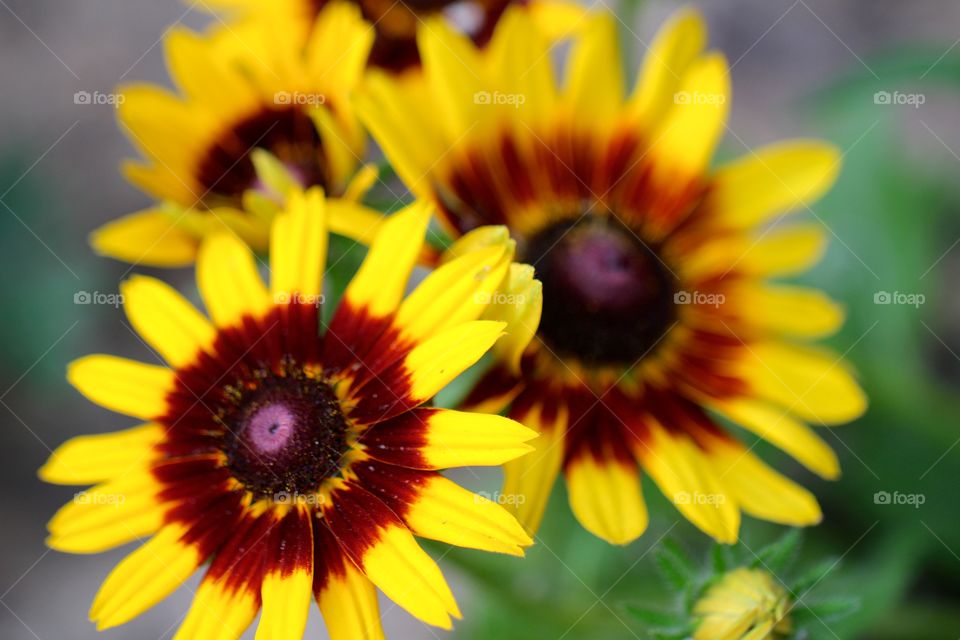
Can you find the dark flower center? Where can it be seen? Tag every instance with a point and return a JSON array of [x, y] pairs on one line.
[[607, 297], [286, 435], [286, 131]]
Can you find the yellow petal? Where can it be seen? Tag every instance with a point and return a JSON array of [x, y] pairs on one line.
[[151, 238], [168, 323], [594, 88], [109, 514], [528, 481], [557, 18], [788, 310], [228, 280], [675, 47], [382, 279], [784, 251], [353, 220], [777, 427], [203, 75], [97, 458], [298, 248], [286, 602], [761, 491], [452, 69], [144, 578], [605, 496], [449, 513], [811, 383], [684, 476], [409, 577], [218, 612], [431, 365], [780, 178], [463, 439], [690, 131], [349, 606], [519, 303], [456, 292], [121, 385]]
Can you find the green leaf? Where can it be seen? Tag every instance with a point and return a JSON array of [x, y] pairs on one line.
[[675, 565], [814, 576], [776, 557], [655, 619]]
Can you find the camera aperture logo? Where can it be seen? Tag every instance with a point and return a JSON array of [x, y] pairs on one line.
[[497, 97], [299, 298], [114, 300], [699, 98], [502, 499], [700, 298], [308, 499], [915, 500], [898, 98], [97, 498], [899, 298]]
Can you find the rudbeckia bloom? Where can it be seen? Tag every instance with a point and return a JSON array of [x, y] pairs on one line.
[[252, 103], [745, 604], [396, 23], [297, 462], [659, 325]]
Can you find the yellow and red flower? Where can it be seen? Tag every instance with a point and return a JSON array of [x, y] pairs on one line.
[[396, 23], [258, 114], [300, 463], [658, 321]]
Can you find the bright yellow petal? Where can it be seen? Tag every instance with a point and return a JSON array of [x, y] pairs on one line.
[[449, 513], [678, 43], [811, 383], [456, 292], [453, 73], [684, 476], [353, 220], [298, 248], [464, 439], [218, 612], [349, 606], [98, 458], [528, 480], [168, 323], [144, 578], [204, 76], [435, 362], [121, 385], [409, 577], [605, 496], [784, 251], [777, 427], [761, 491], [519, 303], [229, 282], [151, 238], [789, 310], [109, 514], [286, 602], [780, 178], [557, 19], [690, 131], [382, 279], [594, 87]]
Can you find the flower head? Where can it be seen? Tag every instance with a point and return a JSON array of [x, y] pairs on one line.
[[298, 462], [745, 604], [658, 320], [256, 115]]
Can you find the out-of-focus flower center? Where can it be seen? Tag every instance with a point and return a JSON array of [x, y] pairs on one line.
[[744, 603], [286, 131], [287, 435], [607, 297]]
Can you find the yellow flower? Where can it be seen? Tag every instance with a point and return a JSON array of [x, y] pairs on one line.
[[746, 604], [300, 463], [395, 23], [658, 316], [256, 116]]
